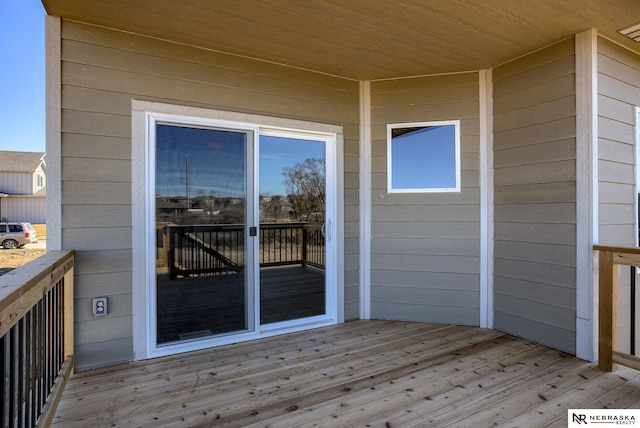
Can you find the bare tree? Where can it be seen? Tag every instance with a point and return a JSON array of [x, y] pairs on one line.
[[305, 186]]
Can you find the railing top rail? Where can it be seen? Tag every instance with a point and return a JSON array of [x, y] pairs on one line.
[[20, 281], [235, 227], [629, 249]]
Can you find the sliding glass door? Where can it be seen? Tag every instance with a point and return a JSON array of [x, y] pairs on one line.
[[242, 232], [292, 228], [203, 286]]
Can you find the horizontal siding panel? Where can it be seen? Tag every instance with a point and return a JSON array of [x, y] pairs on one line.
[[617, 89], [531, 213], [615, 193], [536, 76], [616, 151], [536, 154], [617, 234], [540, 332], [536, 173], [557, 130], [469, 196], [95, 100], [541, 233], [98, 354], [553, 314], [548, 55], [425, 96], [449, 110], [126, 42], [615, 109], [422, 263], [432, 280], [441, 297], [149, 65], [429, 213], [99, 284], [617, 52], [615, 130], [98, 216], [190, 93], [91, 193], [108, 125], [558, 88], [419, 84], [413, 229], [105, 238], [351, 246], [102, 261], [616, 214], [422, 313], [103, 170], [536, 114], [536, 291], [562, 255], [96, 147], [562, 276], [616, 172], [535, 193]]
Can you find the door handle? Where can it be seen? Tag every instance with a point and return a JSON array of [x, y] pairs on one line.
[[325, 229]]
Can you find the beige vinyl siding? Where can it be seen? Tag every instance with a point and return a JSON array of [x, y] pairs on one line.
[[618, 95], [102, 71], [535, 196], [425, 247]]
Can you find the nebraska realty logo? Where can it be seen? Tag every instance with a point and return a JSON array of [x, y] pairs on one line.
[[599, 417]]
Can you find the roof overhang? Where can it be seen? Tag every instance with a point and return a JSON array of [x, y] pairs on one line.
[[363, 39]]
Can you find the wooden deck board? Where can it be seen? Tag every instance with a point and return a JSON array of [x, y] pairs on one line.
[[362, 373]]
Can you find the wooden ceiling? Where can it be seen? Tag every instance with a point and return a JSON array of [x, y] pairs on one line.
[[363, 39]]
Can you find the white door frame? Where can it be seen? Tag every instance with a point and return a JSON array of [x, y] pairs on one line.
[[144, 115]]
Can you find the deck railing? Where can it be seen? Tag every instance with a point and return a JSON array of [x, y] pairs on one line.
[[36, 339], [219, 249], [609, 259]]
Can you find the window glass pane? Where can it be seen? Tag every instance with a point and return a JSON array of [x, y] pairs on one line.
[[201, 191], [292, 220], [424, 158]]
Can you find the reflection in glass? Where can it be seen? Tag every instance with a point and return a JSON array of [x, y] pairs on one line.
[[292, 215], [200, 221]]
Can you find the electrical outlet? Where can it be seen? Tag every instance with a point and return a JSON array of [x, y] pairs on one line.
[[99, 306]]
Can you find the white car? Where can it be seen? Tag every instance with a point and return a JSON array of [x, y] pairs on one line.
[[15, 235]]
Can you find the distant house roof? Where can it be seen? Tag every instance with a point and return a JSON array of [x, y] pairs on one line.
[[20, 161]]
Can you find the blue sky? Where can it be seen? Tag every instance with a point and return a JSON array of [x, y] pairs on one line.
[[22, 73]]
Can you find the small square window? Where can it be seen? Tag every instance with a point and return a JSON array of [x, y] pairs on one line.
[[423, 157]]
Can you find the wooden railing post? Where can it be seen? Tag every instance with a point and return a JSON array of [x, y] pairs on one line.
[[607, 311]]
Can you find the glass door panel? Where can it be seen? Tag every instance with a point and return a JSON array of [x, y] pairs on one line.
[[292, 191], [202, 282]]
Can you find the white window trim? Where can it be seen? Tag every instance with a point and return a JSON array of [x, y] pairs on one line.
[[391, 126], [142, 216]]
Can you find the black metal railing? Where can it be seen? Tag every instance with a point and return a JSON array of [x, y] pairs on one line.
[[36, 339], [197, 250]]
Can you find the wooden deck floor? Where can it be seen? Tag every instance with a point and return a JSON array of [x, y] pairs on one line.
[[362, 373]]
